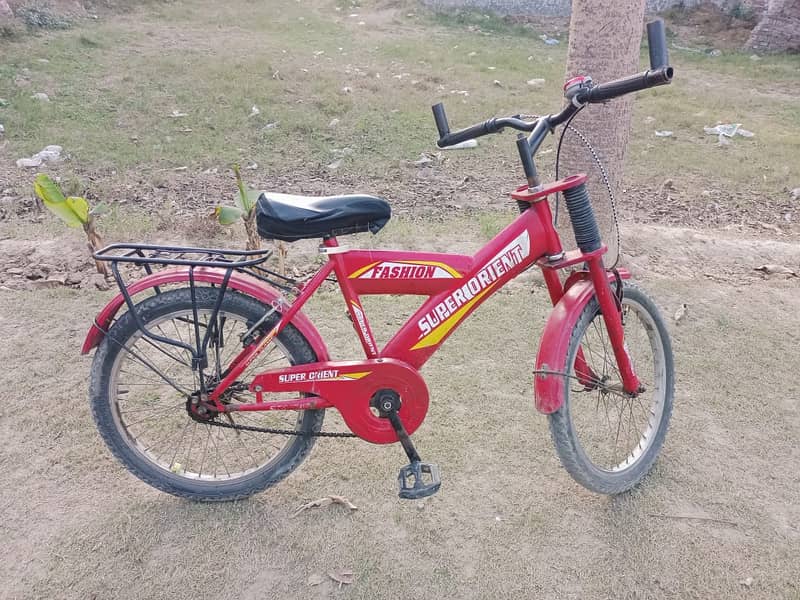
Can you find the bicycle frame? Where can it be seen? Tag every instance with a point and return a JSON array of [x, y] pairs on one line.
[[455, 285]]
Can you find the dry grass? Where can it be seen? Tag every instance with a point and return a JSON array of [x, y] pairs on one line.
[[508, 520]]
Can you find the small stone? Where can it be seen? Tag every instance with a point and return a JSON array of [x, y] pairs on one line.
[[424, 161], [29, 163], [795, 193], [755, 57], [347, 90], [15, 271], [73, 279], [497, 83], [48, 283], [715, 52], [99, 281], [2, 130], [335, 164], [254, 110], [44, 61], [747, 581], [536, 82], [41, 96], [334, 122]]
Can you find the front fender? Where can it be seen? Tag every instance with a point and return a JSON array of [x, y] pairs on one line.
[[240, 282], [548, 388]]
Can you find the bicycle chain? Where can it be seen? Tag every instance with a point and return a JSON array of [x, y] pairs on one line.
[[331, 434]]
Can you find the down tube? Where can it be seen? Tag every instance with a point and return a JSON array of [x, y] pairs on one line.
[[509, 253]]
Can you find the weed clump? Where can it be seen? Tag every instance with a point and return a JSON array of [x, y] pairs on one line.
[[40, 15]]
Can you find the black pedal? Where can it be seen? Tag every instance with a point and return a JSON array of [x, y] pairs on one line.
[[419, 480]]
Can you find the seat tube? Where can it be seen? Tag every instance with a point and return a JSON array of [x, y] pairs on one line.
[[613, 321], [353, 302]]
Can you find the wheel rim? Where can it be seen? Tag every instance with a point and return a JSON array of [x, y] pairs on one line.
[[615, 431], [151, 413]]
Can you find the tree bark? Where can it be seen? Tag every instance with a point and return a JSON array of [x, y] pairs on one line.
[[604, 43]]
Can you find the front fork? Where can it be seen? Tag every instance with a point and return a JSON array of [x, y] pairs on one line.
[[609, 308]]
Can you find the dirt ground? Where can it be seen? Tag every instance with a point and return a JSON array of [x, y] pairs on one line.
[[719, 516]]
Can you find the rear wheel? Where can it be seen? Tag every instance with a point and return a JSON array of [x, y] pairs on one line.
[[144, 398], [606, 439]]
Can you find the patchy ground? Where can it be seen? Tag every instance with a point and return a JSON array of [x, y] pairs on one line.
[[718, 518]]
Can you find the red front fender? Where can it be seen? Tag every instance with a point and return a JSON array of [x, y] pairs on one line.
[[243, 283], [552, 357]]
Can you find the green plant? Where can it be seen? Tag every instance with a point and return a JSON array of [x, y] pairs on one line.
[[244, 209], [74, 211], [38, 15]]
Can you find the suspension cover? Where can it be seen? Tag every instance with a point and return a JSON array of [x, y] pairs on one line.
[[349, 387]]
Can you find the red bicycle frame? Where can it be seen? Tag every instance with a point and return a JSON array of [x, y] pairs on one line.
[[455, 285]]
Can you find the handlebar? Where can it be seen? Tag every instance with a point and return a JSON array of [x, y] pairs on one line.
[[619, 87], [489, 126], [660, 73]]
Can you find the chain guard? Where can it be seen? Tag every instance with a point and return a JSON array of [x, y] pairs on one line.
[[349, 387]]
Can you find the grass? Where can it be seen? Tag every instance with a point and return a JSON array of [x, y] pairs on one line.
[[115, 84]]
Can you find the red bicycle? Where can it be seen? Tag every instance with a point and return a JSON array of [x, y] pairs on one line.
[[213, 384]]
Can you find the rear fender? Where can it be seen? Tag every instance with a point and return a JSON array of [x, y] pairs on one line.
[[548, 386], [240, 282]]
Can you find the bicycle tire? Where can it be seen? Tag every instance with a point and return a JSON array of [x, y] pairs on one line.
[[111, 394], [572, 431]]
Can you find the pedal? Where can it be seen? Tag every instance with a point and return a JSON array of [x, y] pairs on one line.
[[419, 480]]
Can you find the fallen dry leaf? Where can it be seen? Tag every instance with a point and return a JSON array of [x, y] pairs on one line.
[[315, 579], [325, 502], [342, 576], [776, 270]]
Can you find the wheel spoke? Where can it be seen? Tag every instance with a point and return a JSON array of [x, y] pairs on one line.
[[151, 381], [613, 428]]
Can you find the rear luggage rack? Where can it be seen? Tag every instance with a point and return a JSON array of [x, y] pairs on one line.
[[227, 260]]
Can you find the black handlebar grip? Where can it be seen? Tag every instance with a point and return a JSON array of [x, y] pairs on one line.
[[657, 44], [441, 120], [470, 133], [626, 85]]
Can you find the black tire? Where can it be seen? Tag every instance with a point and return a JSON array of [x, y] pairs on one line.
[[145, 421], [584, 420]]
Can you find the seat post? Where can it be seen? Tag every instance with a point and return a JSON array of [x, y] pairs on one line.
[[330, 242]]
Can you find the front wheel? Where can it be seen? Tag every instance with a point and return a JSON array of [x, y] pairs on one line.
[[607, 440]]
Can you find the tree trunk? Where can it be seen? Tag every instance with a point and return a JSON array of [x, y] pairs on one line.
[[604, 43], [779, 28]]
